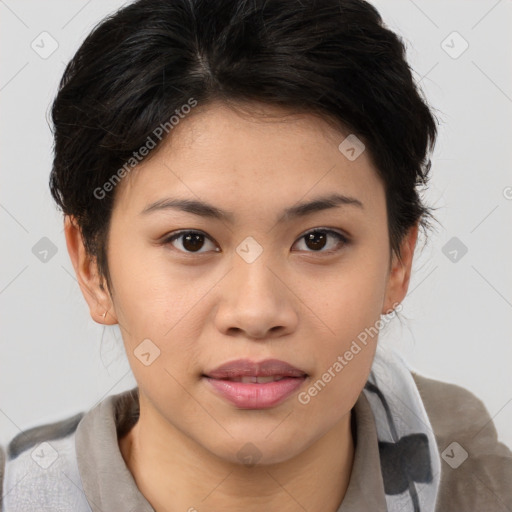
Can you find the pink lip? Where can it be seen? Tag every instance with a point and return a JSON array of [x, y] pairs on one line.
[[245, 367], [255, 395]]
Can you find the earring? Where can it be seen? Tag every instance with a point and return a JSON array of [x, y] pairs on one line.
[[105, 314]]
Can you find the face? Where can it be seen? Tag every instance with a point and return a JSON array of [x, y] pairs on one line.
[[193, 290]]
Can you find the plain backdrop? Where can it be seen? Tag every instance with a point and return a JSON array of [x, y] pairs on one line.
[[457, 318]]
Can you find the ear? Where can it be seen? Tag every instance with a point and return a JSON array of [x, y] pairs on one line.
[[86, 270], [400, 272]]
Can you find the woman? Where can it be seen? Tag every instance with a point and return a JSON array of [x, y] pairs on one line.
[[240, 188]]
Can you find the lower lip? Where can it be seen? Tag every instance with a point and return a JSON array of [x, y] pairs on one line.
[[254, 395]]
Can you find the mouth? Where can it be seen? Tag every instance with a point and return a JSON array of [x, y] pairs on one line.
[[241, 368], [253, 379], [251, 385]]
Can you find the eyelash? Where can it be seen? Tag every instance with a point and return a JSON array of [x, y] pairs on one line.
[[341, 239]]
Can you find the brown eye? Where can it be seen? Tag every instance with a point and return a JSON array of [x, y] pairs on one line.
[[318, 239], [191, 241]]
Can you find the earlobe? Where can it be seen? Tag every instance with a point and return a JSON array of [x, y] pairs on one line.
[[400, 273], [86, 270]]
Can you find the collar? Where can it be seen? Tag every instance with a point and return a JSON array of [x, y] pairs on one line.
[[109, 485]]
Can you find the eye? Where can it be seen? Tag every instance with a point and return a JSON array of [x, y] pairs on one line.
[[317, 240], [192, 241]]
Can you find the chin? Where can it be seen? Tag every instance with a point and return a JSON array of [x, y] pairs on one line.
[[258, 450]]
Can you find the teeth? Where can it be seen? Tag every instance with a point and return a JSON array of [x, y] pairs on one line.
[[251, 379]]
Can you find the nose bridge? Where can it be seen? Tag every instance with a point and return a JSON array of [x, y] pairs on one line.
[[253, 270], [257, 300]]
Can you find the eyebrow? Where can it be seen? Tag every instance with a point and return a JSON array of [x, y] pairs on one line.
[[207, 210]]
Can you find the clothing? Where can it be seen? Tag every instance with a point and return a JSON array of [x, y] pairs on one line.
[[85, 471], [410, 462]]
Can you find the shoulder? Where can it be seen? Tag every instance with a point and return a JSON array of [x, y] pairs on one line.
[[40, 469], [476, 468], [30, 438]]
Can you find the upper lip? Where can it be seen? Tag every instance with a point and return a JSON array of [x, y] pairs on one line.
[[246, 368]]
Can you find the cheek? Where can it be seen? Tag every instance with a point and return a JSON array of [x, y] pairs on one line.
[[343, 354], [350, 298], [160, 302], [347, 307], [152, 294]]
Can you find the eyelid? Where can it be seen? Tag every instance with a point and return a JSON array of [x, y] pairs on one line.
[[327, 230], [342, 238]]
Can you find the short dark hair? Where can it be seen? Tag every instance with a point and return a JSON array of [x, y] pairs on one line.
[[142, 63]]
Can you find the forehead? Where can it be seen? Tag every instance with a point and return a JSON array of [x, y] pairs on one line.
[[256, 154], [217, 119]]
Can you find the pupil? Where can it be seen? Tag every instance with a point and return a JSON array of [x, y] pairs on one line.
[[313, 237], [192, 241]]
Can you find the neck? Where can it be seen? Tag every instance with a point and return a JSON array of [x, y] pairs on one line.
[[174, 473]]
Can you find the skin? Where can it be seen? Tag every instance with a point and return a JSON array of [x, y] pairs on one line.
[[295, 302]]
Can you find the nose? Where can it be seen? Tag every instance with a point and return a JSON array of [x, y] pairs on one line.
[[257, 301]]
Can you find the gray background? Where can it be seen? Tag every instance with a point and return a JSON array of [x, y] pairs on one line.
[[56, 361]]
